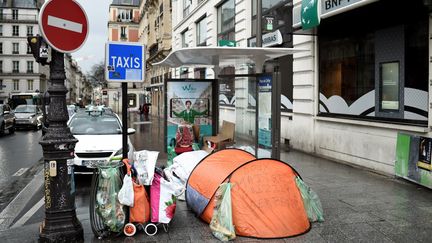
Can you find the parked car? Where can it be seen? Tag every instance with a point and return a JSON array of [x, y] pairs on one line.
[[7, 119], [99, 134], [28, 116]]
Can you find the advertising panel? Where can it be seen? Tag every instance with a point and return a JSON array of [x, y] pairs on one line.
[[189, 114]]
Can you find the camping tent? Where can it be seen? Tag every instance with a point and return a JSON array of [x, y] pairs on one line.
[[266, 202]]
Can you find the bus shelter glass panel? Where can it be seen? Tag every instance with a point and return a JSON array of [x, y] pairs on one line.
[[245, 111], [265, 116]]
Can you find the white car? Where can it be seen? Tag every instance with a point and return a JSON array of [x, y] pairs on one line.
[[99, 135]]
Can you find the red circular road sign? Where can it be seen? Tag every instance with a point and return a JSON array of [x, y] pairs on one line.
[[64, 25]]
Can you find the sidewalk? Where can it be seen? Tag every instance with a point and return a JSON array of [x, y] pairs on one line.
[[359, 206]]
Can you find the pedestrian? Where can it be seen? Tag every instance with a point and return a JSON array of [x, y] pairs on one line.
[[146, 110]]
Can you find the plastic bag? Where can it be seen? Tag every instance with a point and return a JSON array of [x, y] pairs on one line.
[[126, 193], [144, 163], [107, 205], [140, 212], [221, 223], [311, 201], [163, 196]]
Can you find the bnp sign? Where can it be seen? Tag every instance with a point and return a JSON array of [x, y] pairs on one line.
[[125, 62]]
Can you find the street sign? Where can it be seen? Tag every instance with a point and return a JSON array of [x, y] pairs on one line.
[[125, 62], [64, 25]]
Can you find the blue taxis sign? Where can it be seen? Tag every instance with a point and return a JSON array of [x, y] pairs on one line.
[[125, 62]]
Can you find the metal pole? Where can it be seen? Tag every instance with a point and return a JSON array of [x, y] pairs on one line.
[[259, 24], [124, 120], [58, 144]]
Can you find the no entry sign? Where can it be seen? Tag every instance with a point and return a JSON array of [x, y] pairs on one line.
[[64, 25]]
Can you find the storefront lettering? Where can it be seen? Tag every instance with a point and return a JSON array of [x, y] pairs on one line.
[[333, 5]]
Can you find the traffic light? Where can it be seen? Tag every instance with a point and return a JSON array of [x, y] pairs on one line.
[[39, 49]]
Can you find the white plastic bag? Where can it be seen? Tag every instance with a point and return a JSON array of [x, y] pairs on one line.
[[126, 193], [144, 163]]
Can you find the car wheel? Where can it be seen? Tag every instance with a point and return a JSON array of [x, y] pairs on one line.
[[2, 129], [12, 129]]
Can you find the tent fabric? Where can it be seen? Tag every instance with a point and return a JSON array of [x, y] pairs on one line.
[[266, 202], [206, 177]]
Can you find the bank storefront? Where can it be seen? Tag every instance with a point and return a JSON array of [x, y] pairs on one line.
[[367, 78]]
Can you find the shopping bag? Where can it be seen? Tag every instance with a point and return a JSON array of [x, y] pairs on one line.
[[163, 197], [108, 207], [140, 212], [221, 223], [311, 201], [126, 193], [144, 164]]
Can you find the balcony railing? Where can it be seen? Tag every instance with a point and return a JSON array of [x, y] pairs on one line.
[[19, 17]]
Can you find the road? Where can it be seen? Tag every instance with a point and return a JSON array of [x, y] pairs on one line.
[[23, 147], [17, 151]]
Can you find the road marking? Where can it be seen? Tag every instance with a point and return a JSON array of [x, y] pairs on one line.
[[19, 202], [20, 172], [29, 213], [64, 24]]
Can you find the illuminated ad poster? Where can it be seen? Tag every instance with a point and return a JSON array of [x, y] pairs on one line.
[[189, 114], [413, 159], [424, 161]]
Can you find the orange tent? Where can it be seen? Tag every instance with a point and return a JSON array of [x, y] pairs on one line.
[[266, 202]]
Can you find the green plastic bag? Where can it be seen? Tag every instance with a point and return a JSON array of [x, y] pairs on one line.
[[107, 205], [221, 223], [311, 201], [171, 154]]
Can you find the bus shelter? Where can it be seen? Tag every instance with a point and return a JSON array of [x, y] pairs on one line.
[[256, 110]]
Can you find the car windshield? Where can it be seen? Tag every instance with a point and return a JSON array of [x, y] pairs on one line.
[[95, 125], [26, 109]]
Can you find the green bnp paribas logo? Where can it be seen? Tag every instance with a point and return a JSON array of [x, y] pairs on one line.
[[189, 88], [309, 14]]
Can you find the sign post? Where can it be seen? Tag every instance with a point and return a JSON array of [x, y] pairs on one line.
[[64, 27], [125, 62]]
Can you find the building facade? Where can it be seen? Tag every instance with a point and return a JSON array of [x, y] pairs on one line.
[[123, 26], [19, 72], [156, 34], [365, 79]]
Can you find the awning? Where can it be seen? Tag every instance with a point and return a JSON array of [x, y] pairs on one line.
[[224, 56]]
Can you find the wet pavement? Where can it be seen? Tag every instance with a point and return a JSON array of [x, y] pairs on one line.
[[359, 205]]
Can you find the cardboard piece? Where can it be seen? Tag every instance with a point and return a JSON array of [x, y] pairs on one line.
[[224, 138]]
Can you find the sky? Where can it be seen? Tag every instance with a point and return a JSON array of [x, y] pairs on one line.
[[93, 50]]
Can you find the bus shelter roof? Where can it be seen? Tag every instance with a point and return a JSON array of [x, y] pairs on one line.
[[224, 56]]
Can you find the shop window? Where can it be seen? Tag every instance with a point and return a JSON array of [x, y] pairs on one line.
[[376, 69], [132, 100]]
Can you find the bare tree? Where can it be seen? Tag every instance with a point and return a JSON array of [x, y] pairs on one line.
[[97, 75]]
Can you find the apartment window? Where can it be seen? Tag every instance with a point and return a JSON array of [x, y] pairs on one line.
[[29, 66], [226, 21], [1, 48], [1, 66], [123, 32], [29, 49], [15, 66], [183, 38], [1, 30], [29, 30], [30, 84], [201, 28], [15, 14], [1, 13], [15, 30], [125, 15], [15, 84], [15, 48], [186, 7], [1, 84], [161, 12]]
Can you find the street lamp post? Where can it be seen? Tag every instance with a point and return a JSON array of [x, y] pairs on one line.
[[58, 144]]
